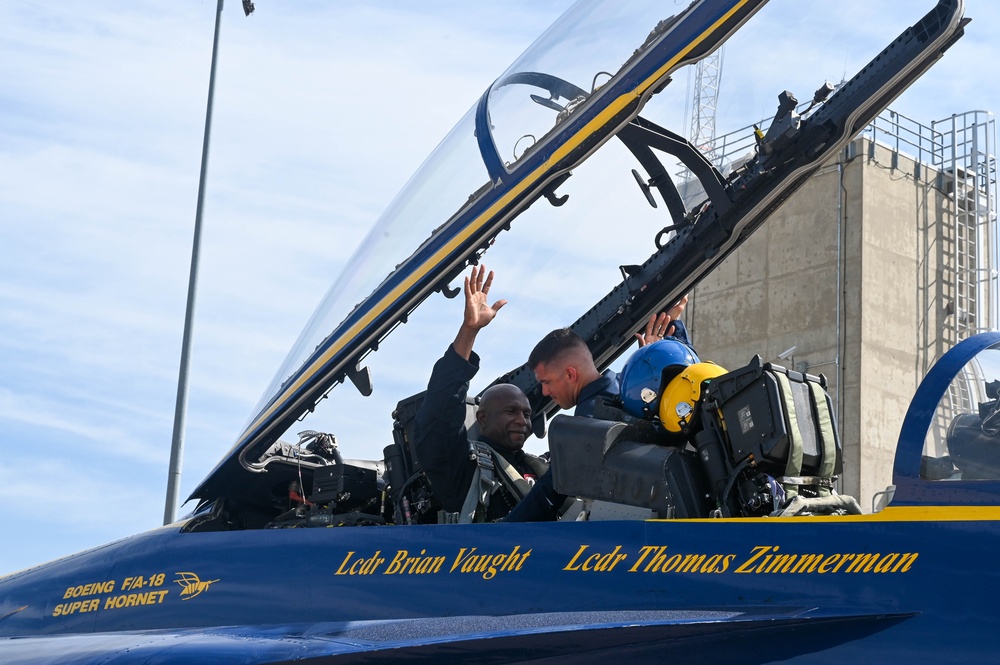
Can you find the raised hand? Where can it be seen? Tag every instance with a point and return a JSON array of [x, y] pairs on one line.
[[660, 325], [478, 313]]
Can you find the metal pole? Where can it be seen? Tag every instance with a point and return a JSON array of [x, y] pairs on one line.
[[180, 412]]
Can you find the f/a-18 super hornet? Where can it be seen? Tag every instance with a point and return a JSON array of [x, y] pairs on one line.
[[294, 552]]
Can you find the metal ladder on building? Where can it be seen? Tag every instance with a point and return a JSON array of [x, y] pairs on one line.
[[968, 175]]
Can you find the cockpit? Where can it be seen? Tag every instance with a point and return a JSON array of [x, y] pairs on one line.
[[961, 442]]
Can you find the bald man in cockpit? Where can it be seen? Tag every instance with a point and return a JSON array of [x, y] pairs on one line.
[[459, 469]]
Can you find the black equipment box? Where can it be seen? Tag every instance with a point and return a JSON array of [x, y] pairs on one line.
[[617, 462], [358, 487], [777, 415]]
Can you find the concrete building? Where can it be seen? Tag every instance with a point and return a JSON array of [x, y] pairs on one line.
[[868, 274]]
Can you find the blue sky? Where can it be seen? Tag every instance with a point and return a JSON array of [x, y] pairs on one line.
[[322, 111]]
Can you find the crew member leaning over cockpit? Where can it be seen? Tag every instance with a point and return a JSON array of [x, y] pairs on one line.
[[565, 368], [488, 484]]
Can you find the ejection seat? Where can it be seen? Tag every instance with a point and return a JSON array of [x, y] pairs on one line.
[[409, 490]]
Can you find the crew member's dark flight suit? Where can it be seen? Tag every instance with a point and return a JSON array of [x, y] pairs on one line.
[[442, 444]]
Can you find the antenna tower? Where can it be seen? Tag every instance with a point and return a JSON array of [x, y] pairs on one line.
[[707, 77]]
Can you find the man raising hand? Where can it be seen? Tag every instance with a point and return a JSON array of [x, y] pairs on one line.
[[477, 480]]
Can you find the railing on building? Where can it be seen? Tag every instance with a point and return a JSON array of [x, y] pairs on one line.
[[959, 153]]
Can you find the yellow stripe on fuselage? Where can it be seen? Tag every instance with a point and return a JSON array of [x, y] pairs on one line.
[[602, 118], [889, 514]]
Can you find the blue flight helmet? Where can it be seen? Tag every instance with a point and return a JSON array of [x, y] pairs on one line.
[[650, 369]]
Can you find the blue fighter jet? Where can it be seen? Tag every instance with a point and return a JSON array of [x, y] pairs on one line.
[[728, 542]]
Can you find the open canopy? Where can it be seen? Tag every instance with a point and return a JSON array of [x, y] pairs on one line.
[[587, 75]]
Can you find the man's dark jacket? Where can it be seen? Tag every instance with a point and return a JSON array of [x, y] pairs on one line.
[[442, 441]]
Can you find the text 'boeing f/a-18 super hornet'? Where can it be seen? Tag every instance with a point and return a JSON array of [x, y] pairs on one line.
[[716, 568]]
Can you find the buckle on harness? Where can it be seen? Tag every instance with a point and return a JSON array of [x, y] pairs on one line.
[[481, 455]]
